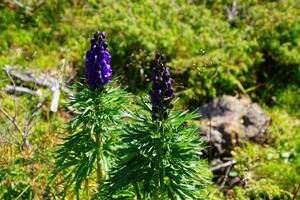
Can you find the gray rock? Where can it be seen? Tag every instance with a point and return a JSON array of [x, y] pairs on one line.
[[228, 121]]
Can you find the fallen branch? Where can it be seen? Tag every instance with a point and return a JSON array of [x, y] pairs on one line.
[[225, 177], [56, 89], [14, 85], [223, 165], [11, 119], [4, 138], [232, 11], [295, 192], [25, 131], [16, 5], [53, 84], [27, 76], [42, 80], [17, 89], [29, 121]]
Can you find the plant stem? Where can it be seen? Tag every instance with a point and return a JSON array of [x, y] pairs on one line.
[[87, 188], [99, 166], [97, 102], [296, 190], [137, 190]]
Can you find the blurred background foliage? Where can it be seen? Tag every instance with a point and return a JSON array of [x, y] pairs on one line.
[[213, 47]]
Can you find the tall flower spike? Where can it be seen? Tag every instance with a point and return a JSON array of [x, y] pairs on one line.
[[162, 92], [97, 66]]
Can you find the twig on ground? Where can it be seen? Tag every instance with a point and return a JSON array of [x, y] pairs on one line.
[[56, 86], [17, 89], [223, 165], [15, 93], [232, 11], [27, 76], [53, 84], [4, 139], [16, 5], [11, 119], [25, 131], [295, 192], [225, 177], [29, 120]]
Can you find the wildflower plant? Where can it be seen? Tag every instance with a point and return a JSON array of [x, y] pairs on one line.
[[88, 150], [159, 159]]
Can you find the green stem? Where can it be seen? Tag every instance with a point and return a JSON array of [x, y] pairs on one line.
[[137, 190], [99, 166], [98, 138], [87, 188]]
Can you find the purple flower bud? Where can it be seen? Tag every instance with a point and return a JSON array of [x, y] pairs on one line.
[[162, 92], [167, 71], [97, 66]]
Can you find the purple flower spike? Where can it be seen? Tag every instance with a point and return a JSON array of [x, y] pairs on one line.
[[162, 92], [97, 66]]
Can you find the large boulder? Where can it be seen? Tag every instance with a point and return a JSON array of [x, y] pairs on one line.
[[228, 121]]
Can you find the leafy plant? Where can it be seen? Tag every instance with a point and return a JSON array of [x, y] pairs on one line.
[[91, 143], [159, 159], [93, 132]]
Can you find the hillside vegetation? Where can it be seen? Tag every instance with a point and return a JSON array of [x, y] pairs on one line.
[[247, 47]]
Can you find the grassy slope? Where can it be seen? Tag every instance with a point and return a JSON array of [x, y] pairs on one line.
[[200, 42]]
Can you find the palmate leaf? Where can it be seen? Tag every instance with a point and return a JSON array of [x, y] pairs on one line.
[[159, 160], [96, 113]]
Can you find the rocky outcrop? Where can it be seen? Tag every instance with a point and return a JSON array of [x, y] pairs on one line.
[[228, 121]]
